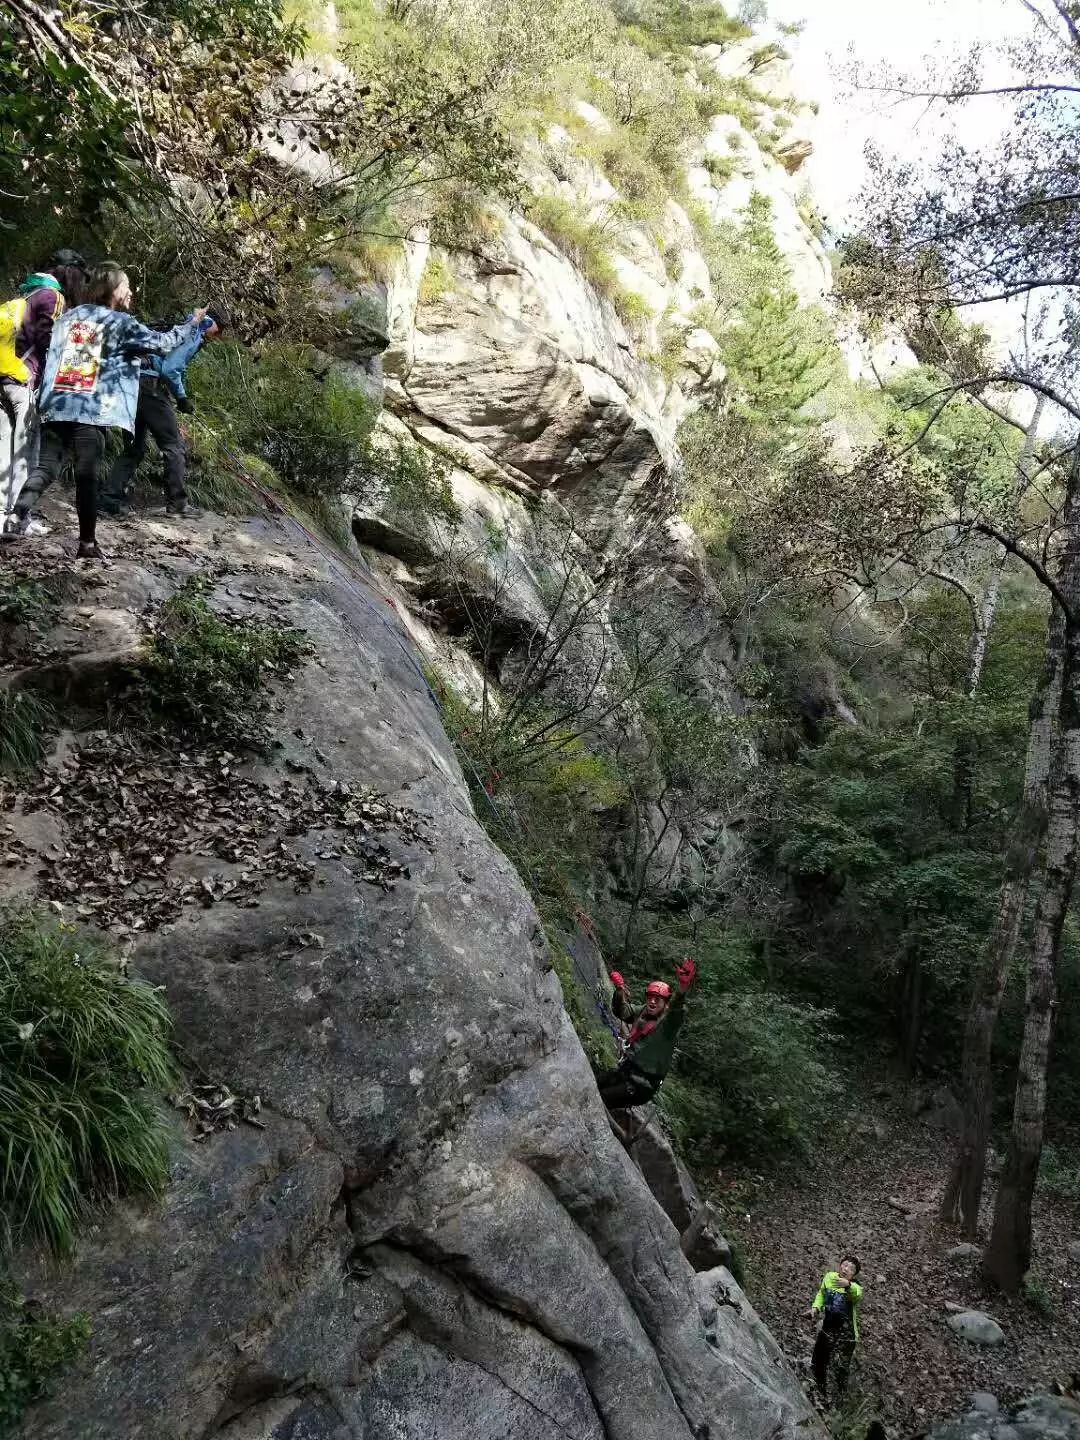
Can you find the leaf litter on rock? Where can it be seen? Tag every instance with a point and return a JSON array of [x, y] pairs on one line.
[[130, 813], [213, 1107]]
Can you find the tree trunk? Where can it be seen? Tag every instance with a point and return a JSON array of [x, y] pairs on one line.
[[963, 1193], [1008, 1254], [912, 1012], [964, 758]]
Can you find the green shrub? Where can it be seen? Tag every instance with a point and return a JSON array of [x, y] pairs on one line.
[[26, 602], [721, 168], [436, 280], [1038, 1295], [1059, 1172], [33, 1348], [668, 359], [82, 1048], [413, 483], [205, 672], [679, 25], [755, 1074], [25, 724], [585, 241], [596, 1039], [291, 408], [633, 309]]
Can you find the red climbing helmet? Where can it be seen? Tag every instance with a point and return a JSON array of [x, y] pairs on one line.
[[659, 987]]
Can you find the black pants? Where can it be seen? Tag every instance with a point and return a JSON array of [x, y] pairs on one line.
[[830, 1346], [625, 1087], [156, 416], [86, 445]]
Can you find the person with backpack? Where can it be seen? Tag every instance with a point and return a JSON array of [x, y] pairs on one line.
[[26, 326], [650, 1044], [162, 394], [91, 386], [837, 1305]]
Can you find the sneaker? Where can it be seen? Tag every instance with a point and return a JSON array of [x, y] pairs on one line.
[[31, 525]]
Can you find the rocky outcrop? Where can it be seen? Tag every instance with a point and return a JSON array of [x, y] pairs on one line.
[[523, 373], [428, 1226]]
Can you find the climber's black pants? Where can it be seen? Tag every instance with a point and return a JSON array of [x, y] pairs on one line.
[[625, 1087], [85, 444], [155, 416], [830, 1346]]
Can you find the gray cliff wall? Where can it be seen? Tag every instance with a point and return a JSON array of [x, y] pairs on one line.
[[430, 1230]]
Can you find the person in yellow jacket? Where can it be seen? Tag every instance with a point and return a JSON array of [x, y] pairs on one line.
[[837, 1304], [26, 325]]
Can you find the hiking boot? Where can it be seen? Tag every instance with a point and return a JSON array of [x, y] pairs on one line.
[[116, 510], [184, 508], [89, 551]]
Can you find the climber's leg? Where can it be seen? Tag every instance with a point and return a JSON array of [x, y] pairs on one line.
[[819, 1361], [845, 1354], [625, 1087]]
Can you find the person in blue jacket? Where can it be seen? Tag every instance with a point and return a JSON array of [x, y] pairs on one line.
[[162, 394], [90, 386]]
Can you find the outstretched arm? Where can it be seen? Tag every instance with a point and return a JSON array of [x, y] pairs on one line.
[[139, 339], [621, 1003]]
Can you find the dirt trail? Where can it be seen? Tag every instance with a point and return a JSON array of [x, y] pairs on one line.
[[908, 1356]]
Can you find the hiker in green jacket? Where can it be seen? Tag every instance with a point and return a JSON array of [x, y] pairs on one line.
[[650, 1044], [837, 1303]]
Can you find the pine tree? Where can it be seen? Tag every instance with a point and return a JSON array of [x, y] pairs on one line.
[[777, 354]]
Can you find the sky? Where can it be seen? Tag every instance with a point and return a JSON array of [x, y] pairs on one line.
[[904, 35]]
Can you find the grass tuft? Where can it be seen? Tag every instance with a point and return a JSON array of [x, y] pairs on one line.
[[205, 672], [82, 1049], [25, 724]]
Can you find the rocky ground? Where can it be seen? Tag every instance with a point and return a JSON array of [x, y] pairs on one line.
[[876, 1193]]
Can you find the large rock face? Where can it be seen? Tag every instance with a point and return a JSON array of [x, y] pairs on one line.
[[429, 1228], [525, 374]]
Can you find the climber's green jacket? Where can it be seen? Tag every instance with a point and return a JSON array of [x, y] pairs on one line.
[[839, 1305], [651, 1053]]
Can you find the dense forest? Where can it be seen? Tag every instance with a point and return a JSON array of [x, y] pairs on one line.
[[813, 717]]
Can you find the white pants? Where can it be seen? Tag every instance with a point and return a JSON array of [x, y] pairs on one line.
[[17, 436]]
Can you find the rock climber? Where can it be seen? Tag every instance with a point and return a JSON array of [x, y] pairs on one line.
[[90, 386], [162, 394], [837, 1305], [650, 1044], [26, 326]]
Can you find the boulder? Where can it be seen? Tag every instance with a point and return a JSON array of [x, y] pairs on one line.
[[653, 1152], [964, 1251], [984, 1403], [1040, 1417], [1074, 1250], [976, 1327], [430, 1227]]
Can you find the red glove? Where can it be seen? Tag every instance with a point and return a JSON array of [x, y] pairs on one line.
[[617, 980], [687, 973]]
